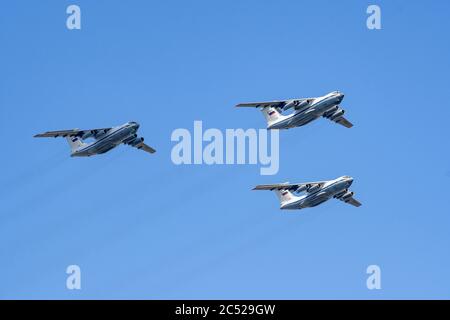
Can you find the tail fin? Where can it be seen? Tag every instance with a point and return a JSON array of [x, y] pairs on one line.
[[271, 114], [75, 143], [284, 196]]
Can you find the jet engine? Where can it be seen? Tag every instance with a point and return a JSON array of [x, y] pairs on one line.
[[340, 194], [97, 134], [296, 104], [130, 139], [313, 188], [336, 115], [347, 196], [288, 105], [330, 112], [301, 188], [302, 104], [136, 141]]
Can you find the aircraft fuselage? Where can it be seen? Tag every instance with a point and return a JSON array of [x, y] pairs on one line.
[[328, 191], [108, 141], [310, 113]]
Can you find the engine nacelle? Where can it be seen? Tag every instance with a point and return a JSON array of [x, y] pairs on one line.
[[347, 196], [330, 112], [313, 188], [302, 104], [130, 139], [340, 194], [296, 104], [136, 141], [289, 105], [301, 188], [339, 113]]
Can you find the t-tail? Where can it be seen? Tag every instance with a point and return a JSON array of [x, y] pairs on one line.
[[75, 144]]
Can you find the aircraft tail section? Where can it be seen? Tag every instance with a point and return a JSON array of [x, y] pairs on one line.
[[75, 143], [284, 196], [272, 115]]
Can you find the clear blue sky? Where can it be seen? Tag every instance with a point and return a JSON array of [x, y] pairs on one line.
[[141, 227]]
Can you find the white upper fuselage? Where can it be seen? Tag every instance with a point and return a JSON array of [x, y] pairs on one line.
[[326, 192], [315, 109], [107, 141]]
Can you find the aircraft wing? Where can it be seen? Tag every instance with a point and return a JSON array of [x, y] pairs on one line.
[[72, 133], [265, 104], [354, 202], [144, 147], [280, 104], [344, 122], [351, 201], [288, 186]]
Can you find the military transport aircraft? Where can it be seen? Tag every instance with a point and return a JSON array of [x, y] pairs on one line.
[[305, 111], [315, 192], [105, 139]]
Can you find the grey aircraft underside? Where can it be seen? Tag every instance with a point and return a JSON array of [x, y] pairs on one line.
[[105, 139], [305, 111], [291, 196]]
